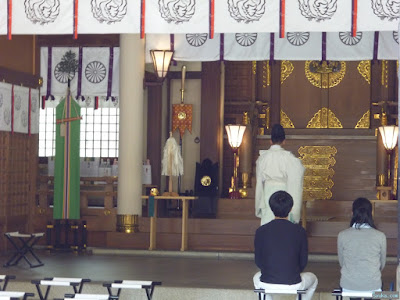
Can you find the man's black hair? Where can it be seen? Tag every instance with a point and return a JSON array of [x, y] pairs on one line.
[[277, 134], [281, 204]]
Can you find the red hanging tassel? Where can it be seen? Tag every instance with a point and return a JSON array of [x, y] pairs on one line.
[[142, 19], [12, 109], [29, 113], [282, 20], [76, 19], [9, 19], [354, 18], [212, 18], [96, 102]]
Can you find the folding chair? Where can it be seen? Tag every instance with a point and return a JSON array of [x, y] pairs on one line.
[[339, 294], [76, 283], [4, 279], [25, 246], [15, 295], [131, 284], [263, 292]]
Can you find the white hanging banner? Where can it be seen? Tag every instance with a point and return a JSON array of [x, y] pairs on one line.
[[237, 16], [298, 46], [35, 109], [197, 47], [96, 78], [95, 70], [177, 16], [388, 45], [5, 106], [43, 17], [317, 15], [343, 46], [3, 17], [58, 79], [109, 16], [21, 109], [248, 46], [156, 42], [115, 76], [378, 15]]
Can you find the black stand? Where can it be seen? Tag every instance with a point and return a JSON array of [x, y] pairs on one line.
[[67, 235]]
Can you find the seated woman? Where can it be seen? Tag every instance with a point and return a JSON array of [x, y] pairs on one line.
[[361, 251]]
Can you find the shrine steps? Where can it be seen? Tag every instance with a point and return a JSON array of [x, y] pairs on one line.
[[228, 235]]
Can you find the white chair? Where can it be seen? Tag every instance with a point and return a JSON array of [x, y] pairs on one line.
[[76, 283], [131, 284], [263, 292], [88, 296], [4, 279], [8, 295], [339, 294]]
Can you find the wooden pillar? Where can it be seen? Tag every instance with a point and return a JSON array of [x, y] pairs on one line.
[[211, 127], [154, 132], [377, 97], [275, 110]]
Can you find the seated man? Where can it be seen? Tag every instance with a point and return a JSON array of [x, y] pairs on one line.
[[281, 251]]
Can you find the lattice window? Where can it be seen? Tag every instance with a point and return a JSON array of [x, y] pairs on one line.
[[47, 132], [99, 132]]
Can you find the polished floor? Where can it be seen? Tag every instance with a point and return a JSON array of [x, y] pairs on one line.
[[173, 269]]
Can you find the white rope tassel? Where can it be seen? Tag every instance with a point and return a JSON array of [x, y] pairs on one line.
[[172, 162]]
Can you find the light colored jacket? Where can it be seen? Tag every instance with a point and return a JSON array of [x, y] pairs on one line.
[[362, 256]]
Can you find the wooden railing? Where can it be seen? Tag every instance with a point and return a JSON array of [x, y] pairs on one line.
[[96, 192]]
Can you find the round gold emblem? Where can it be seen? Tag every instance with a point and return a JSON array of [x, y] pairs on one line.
[[325, 75], [205, 180], [181, 115], [154, 192]]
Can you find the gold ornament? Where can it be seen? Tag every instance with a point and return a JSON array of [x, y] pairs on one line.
[[205, 180], [318, 161], [285, 120], [325, 75], [364, 68], [266, 74], [385, 74], [254, 67], [364, 121], [154, 192], [286, 69], [324, 118], [181, 115]]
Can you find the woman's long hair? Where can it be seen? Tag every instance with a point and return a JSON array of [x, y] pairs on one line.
[[362, 213]]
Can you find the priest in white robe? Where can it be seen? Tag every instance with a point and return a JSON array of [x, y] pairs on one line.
[[278, 170]]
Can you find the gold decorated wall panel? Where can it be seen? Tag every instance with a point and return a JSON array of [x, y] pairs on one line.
[[341, 90], [299, 99], [351, 98], [317, 185]]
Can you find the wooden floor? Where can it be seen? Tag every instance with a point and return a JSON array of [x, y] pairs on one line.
[[235, 225], [198, 276]]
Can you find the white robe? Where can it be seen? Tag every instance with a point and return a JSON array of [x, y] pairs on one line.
[[278, 170]]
